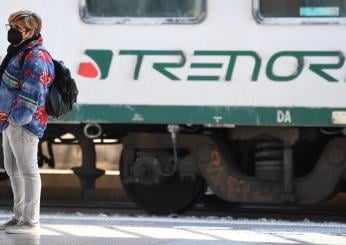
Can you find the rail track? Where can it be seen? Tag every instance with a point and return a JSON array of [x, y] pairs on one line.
[[205, 208], [61, 192]]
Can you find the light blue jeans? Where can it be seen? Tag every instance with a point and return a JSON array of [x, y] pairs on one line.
[[20, 161]]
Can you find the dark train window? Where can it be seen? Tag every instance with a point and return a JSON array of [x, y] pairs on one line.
[[303, 11], [142, 11]]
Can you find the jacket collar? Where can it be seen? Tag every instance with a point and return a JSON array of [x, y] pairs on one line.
[[32, 43]]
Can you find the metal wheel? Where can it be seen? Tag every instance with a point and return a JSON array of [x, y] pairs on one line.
[[168, 195]]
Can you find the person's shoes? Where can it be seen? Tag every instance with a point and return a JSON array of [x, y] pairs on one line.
[[12, 222], [23, 227]]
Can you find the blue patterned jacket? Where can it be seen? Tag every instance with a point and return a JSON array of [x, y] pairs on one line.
[[23, 90]]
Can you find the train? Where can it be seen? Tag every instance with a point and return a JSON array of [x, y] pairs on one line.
[[244, 98]]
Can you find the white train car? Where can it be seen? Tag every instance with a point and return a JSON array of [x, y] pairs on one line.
[[246, 97]]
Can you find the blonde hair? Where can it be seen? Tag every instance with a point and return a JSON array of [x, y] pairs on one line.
[[30, 20]]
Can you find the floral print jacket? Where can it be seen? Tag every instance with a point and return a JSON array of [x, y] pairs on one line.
[[24, 88]]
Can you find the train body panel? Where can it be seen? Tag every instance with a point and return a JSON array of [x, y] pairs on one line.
[[229, 97], [227, 69]]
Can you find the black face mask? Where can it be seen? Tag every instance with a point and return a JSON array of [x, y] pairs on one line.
[[14, 36]]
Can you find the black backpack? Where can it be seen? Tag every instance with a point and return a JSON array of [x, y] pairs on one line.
[[62, 93]]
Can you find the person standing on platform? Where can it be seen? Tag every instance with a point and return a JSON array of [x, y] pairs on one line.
[[25, 75]]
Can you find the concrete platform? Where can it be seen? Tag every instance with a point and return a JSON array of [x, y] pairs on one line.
[[102, 229]]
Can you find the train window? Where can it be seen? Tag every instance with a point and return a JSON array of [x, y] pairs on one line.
[[143, 11], [300, 11]]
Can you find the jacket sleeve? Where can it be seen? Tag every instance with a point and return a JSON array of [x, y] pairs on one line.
[[35, 72]]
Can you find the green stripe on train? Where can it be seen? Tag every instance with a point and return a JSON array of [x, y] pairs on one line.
[[213, 115]]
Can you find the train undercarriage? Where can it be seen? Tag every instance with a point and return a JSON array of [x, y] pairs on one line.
[[167, 168]]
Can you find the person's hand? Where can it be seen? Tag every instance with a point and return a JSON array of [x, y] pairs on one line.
[[3, 116]]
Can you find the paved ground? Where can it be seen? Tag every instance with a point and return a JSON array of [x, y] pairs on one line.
[[101, 229]]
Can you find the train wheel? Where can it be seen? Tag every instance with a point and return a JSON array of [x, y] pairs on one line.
[[169, 195]]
